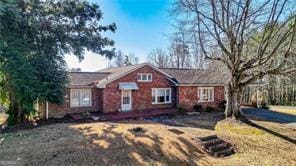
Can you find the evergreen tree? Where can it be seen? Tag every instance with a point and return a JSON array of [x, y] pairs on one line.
[[34, 37]]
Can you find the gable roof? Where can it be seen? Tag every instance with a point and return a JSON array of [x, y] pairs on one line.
[[117, 72], [197, 76], [85, 78]]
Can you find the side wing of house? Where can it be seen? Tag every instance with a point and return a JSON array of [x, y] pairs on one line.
[[204, 95], [199, 86], [81, 95]]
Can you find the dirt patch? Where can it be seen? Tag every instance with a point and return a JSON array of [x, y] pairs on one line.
[[137, 131]]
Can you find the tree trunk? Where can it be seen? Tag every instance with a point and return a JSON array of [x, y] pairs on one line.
[[15, 112], [233, 97]]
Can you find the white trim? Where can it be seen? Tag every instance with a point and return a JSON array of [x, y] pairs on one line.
[[130, 101], [159, 70], [141, 75], [79, 105], [208, 88], [165, 89], [46, 110]]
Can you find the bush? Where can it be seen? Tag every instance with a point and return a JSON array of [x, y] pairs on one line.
[[222, 105], [197, 108], [181, 110], [210, 109], [264, 105]]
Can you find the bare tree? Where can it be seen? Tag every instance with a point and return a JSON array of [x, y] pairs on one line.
[[133, 59], [232, 26], [119, 59], [159, 58], [197, 54], [179, 50]]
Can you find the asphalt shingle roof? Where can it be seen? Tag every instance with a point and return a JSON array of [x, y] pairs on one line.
[[86, 78], [196, 76], [181, 76]]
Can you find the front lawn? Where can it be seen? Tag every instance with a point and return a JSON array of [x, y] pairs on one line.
[[170, 142], [284, 109]]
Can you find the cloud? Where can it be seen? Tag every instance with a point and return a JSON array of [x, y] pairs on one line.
[[91, 62]]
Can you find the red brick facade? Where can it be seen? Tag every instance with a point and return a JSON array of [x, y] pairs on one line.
[[188, 97], [142, 98], [108, 99], [61, 110]]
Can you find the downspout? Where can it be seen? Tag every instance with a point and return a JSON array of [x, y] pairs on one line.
[[46, 110], [177, 96]]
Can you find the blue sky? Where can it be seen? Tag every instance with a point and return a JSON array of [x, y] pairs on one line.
[[142, 25]]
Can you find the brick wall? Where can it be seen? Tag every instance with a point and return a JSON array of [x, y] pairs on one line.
[[61, 110], [187, 96], [142, 98]]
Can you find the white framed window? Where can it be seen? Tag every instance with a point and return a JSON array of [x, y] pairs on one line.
[[144, 77], [80, 97], [205, 94], [161, 95]]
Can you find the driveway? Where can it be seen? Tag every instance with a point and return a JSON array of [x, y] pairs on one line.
[[270, 115]]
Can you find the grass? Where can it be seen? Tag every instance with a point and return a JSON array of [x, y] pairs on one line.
[[282, 109], [107, 143], [3, 117]]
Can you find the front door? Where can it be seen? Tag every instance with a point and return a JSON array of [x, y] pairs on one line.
[[126, 100]]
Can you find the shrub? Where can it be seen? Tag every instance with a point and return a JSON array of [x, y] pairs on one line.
[[263, 105], [210, 109], [181, 110], [222, 105], [197, 108], [85, 115]]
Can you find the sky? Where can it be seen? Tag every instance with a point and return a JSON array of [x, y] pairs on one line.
[[142, 25]]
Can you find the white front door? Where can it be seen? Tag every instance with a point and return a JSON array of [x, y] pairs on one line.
[[126, 100]]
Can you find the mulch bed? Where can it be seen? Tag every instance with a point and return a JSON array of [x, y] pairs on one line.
[[30, 125]]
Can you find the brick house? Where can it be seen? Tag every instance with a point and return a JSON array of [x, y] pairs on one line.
[[138, 87]]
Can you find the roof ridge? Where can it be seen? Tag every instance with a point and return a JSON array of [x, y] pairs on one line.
[[88, 72], [107, 68], [184, 69]]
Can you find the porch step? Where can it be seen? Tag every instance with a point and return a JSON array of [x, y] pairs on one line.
[[208, 138], [224, 152], [216, 146], [212, 142]]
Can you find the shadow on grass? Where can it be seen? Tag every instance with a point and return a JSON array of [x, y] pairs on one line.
[[206, 120], [269, 116], [286, 138], [125, 149]]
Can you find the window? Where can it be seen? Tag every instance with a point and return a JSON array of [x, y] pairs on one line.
[[205, 94], [161, 95], [126, 97], [144, 77], [80, 97]]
